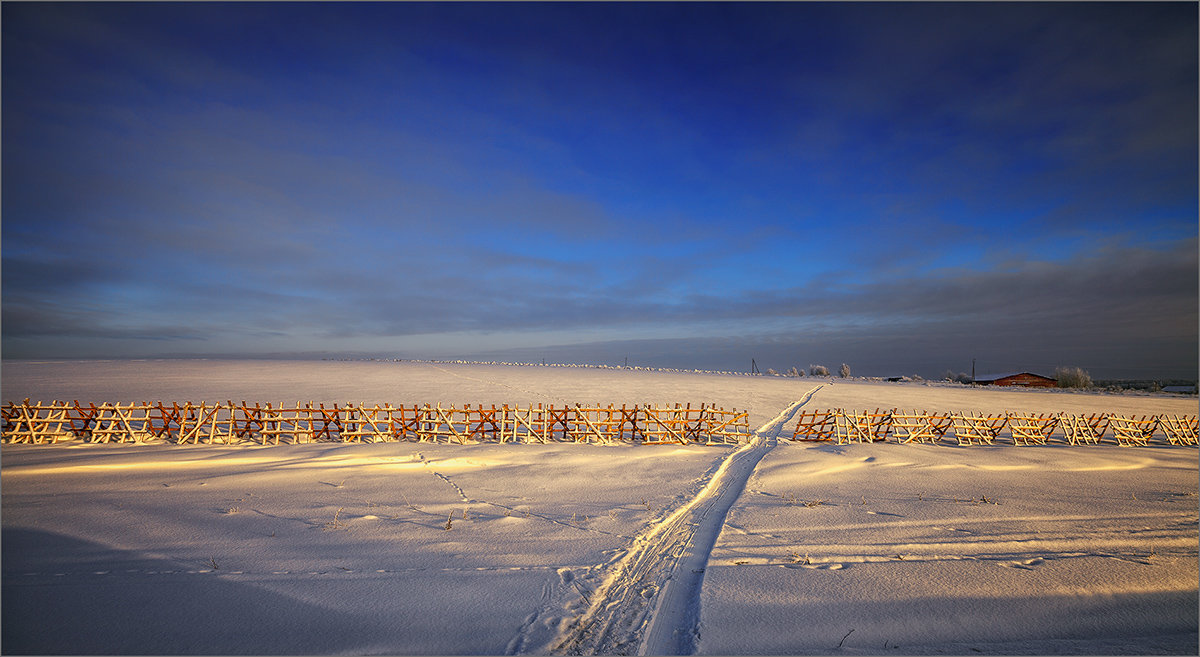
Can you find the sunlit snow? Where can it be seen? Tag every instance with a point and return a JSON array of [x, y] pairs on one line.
[[412, 548]]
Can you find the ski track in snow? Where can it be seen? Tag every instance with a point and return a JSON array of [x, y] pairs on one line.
[[649, 603]]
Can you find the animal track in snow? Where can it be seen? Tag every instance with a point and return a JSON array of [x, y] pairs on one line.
[[446, 479]]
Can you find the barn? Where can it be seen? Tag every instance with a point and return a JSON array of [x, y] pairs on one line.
[[1025, 379]]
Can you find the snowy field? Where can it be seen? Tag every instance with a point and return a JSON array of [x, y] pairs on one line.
[[770, 548]]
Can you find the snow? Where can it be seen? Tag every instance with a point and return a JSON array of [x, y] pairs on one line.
[[937, 547], [343, 548]]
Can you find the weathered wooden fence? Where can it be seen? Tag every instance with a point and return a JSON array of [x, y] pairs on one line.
[[842, 426], [240, 423]]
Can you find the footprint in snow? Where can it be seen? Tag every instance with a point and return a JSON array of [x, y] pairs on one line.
[[1027, 564]]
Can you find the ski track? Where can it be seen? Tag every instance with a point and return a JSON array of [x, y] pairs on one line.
[[649, 603]]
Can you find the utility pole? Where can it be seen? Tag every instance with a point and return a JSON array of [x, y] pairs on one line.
[[972, 370], [627, 361], [754, 367]]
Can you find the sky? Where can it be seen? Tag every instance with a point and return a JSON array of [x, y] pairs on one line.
[[899, 187]]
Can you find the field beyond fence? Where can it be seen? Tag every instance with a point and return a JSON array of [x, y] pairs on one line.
[[231, 423], [842, 426]]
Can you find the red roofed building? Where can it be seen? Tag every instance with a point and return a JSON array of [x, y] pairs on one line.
[[1025, 379]]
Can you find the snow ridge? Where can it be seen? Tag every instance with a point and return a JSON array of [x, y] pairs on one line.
[[650, 602]]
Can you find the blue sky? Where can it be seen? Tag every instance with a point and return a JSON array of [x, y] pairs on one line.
[[901, 187]]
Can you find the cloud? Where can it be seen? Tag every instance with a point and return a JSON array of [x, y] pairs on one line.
[[1095, 303], [1007, 111], [1120, 312], [1007, 174]]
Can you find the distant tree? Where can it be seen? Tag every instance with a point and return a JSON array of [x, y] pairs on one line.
[[1072, 377], [844, 372], [793, 372], [771, 372], [961, 377], [818, 370], [802, 373]]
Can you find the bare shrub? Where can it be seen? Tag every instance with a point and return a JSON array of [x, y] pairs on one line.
[[818, 370], [1072, 377], [844, 371], [793, 372]]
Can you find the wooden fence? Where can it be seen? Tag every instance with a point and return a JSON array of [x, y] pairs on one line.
[[841, 426], [241, 423], [231, 423]]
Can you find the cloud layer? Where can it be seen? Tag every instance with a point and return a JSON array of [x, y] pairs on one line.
[[898, 184]]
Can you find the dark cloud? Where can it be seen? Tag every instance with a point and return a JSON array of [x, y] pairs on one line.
[[1011, 111], [1119, 301], [36, 322], [1120, 313]]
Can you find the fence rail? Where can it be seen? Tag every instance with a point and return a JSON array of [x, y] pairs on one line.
[[842, 426], [231, 423]]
